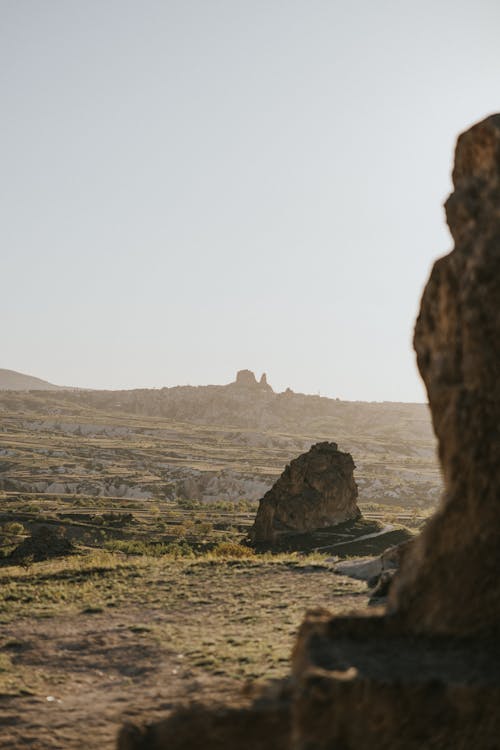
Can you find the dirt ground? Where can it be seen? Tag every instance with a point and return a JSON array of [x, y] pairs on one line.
[[88, 646]]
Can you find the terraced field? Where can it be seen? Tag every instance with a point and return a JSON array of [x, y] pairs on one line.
[[82, 445]]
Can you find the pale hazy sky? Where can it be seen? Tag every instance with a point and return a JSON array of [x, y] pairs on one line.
[[193, 187]]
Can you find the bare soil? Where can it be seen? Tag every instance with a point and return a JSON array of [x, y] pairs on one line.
[[87, 645]]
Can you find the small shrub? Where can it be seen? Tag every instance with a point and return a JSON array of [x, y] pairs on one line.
[[178, 530], [203, 527], [118, 519], [13, 528], [232, 549], [188, 504], [179, 549], [151, 549]]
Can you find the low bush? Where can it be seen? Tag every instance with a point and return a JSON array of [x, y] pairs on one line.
[[151, 549], [232, 549]]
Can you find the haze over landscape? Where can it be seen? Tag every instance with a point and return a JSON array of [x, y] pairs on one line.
[[231, 516], [189, 188]]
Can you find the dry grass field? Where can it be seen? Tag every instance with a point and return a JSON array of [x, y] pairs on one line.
[[93, 640]]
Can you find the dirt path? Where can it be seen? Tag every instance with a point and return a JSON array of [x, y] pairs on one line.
[[72, 674]]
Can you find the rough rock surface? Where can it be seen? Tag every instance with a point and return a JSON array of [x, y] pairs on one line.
[[316, 490], [457, 340], [370, 569], [364, 682]]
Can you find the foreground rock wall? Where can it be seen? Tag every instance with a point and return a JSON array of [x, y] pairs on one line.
[[450, 582]]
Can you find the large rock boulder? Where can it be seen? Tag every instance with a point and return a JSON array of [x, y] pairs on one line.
[[316, 490]]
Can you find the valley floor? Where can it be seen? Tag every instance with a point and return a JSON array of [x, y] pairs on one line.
[[90, 642]]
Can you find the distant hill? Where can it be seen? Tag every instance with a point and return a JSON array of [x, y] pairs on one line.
[[212, 442], [248, 404], [10, 380]]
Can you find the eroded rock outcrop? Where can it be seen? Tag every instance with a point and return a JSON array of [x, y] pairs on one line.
[[316, 490], [457, 340], [247, 379]]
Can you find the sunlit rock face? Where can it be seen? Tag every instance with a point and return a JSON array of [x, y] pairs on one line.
[[315, 491], [450, 583]]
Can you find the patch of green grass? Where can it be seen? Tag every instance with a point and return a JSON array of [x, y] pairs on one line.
[[231, 617]]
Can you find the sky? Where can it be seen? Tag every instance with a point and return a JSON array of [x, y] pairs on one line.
[[192, 187]]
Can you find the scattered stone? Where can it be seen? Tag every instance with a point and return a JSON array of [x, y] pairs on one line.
[[362, 569], [378, 572], [392, 558], [381, 586], [317, 490]]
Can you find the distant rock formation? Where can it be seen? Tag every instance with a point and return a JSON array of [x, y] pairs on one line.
[[315, 491], [263, 382], [247, 379]]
